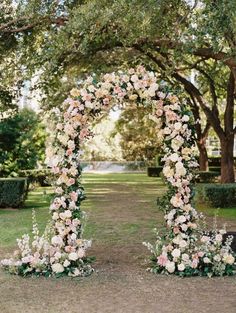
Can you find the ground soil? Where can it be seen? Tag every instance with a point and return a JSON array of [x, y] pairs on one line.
[[120, 283]]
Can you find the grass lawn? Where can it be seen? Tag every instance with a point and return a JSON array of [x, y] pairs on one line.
[[99, 188]]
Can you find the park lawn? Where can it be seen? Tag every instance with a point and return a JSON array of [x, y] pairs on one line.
[[136, 216]]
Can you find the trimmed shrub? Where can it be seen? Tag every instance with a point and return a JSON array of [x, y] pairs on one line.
[[39, 176], [13, 192], [215, 169], [154, 171], [206, 177], [221, 195]]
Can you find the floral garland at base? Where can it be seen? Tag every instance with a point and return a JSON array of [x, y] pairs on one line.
[[184, 249]]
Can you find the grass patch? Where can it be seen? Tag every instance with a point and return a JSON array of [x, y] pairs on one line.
[[121, 208]]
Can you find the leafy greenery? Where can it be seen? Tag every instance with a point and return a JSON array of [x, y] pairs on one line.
[[221, 195], [13, 192], [22, 142], [138, 141], [207, 177]]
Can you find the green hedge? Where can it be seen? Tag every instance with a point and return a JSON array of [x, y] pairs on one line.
[[221, 195], [154, 171], [215, 169], [13, 192], [206, 177], [39, 176]]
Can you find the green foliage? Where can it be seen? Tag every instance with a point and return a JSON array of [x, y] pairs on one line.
[[103, 146], [207, 177], [139, 141], [221, 195], [13, 192], [154, 171], [22, 142], [37, 176], [215, 169]]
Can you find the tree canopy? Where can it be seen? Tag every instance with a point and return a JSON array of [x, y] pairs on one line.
[[60, 40]]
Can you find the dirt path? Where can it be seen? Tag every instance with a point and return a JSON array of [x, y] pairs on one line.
[[122, 218]]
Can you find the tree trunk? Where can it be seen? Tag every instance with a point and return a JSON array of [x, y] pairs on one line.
[[227, 159], [203, 157]]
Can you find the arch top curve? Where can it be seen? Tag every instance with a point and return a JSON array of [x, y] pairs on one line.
[[183, 248]]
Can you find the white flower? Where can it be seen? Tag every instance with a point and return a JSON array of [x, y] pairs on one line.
[[73, 236], [185, 257], [205, 239], [176, 253], [171, 214], [168, 171], [55, 216], [57, 268], [57, 255], [181, 219], [73, 256], [81, 253], [206, 260], [66, 263], [57, 241], [185, 118], [219, 238], [217, 258], [174, 157], [178, 126], [228, 259], [67, 214], [183, 243], [170, 266], [180, 169], [181, 267]]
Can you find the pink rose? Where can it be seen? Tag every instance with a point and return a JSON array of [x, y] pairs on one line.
[[162, 260], [70, 182]]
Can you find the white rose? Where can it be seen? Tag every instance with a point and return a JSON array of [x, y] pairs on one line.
[[217, 258], [73, 256], [57, 268], [206, 260], [177, 126], [57, 255], [184, 227], [168, 171], [170, 266], [185, 118], [180, 169], [176, 253], [81, 253], [181, 219], [73, 236], [57, 241], [171, 214], [183, 243], [55, 216], [228, 259], [205, 239], [66, 263], [167, 131], [67, 214], [185, 257], [181, 267], [174, 157]]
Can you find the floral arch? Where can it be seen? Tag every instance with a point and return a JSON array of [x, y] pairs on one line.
[[184, 248]]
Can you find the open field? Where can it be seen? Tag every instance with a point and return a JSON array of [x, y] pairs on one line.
[[122, 213]]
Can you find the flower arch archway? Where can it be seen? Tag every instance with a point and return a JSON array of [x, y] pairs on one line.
[[183, 249]]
